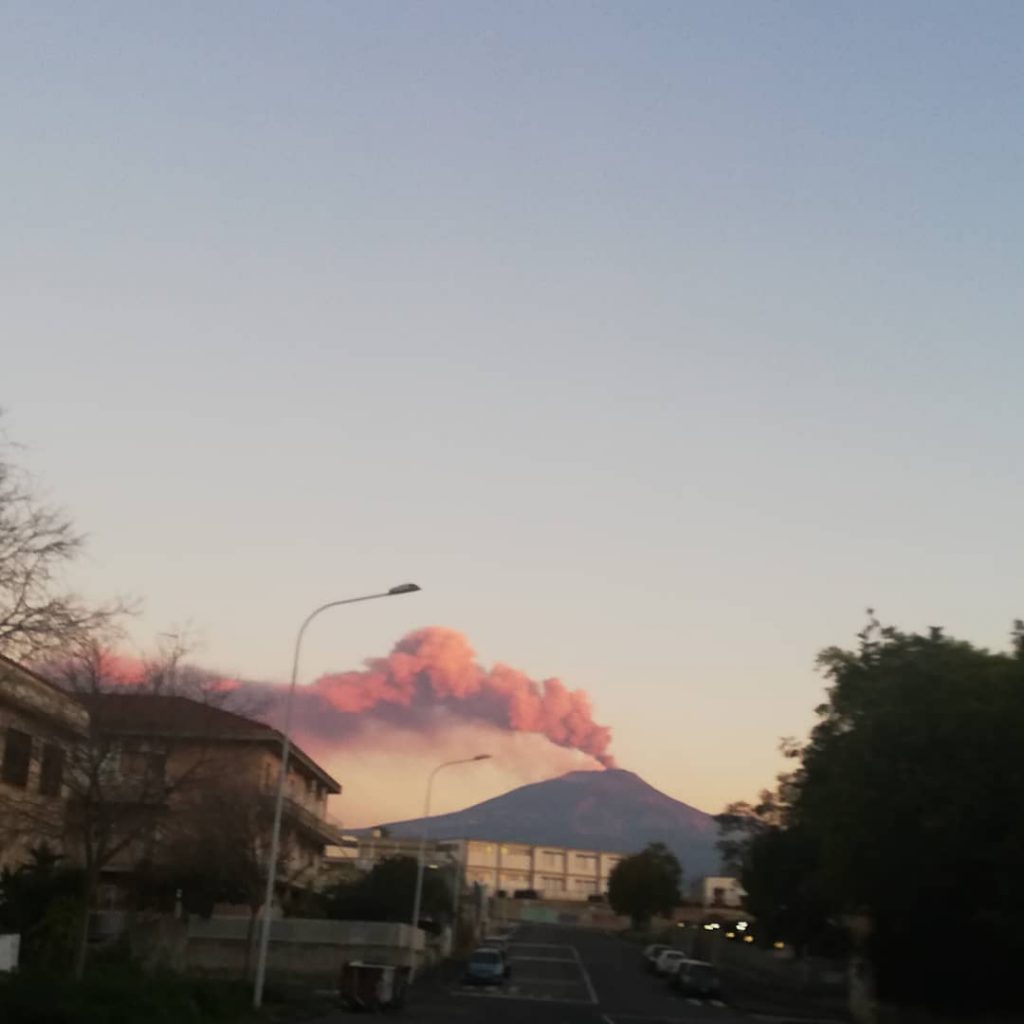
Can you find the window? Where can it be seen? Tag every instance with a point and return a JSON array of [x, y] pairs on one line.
[[145, 769], [17, 756], [51, 775]]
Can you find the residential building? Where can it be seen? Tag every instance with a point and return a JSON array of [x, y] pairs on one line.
[[40, 725], [718, 892], [169, 751], [363, 851], [554, 872]]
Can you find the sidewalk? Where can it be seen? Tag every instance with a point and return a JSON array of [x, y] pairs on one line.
[[764, 998]]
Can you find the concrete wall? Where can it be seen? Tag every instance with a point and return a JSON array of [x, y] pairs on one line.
[[585, 915], [302, 948]]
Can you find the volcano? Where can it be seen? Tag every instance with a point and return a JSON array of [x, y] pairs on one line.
[[613, 810]]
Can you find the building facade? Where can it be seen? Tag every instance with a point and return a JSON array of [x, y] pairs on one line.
[[40, 727], [181, 755], [718, 892], [553, 872], [361, 852]]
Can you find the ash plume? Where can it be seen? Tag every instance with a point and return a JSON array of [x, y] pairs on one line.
[[429, 682], [432, 674]]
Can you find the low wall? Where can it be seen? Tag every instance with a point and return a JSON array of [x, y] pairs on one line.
[[302, 949], [571, 912]]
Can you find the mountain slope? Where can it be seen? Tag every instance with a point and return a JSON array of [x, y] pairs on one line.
[[611, 810]]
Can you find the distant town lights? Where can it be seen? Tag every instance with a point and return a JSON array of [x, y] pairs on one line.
[[748, 938], [742, 926]]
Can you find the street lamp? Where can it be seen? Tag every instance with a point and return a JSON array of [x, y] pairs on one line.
[[423, 846], [286, 746]]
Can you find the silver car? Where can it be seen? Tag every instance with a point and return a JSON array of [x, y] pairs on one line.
[[487, 966]]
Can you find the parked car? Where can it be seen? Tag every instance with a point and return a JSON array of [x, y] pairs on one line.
[[697, 978], [668, 960], [487, 966], [496, 940], [526, 894], [651, 953]]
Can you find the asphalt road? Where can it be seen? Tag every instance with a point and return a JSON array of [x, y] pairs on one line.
[[570, 976]]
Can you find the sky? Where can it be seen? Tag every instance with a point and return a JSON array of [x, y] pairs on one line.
[[654, 341]]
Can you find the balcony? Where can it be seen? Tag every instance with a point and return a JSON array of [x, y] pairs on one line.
[[327, 830]]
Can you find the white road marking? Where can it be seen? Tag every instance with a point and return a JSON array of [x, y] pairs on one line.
[[607, 1019], [473, 994], [547, 960], [586, 977], [803, 1020], [691, 1001], [659, 1020], [542, 945]]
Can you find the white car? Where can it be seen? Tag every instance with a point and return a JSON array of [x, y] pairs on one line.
[[668, 961], [651, 953]]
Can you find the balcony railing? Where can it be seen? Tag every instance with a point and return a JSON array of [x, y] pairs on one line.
[[327, 829]]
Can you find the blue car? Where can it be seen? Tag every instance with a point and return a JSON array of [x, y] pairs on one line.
[[487, 966]]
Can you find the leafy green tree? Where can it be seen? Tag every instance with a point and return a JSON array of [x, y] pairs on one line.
[[41, 901], [911, 785], [386, 894], [646, 884], [904, 807], [780, 871]]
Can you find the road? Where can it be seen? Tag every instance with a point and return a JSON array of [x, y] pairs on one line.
[[571, 976]]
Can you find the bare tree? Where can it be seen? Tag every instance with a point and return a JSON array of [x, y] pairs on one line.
[[37, 542], [215, 848], [91, 664]]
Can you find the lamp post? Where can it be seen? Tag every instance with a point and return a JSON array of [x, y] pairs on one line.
[[423, 846], [286, 746]]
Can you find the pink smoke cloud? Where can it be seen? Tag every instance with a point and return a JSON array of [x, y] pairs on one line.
[[430, 679], [435, 668]]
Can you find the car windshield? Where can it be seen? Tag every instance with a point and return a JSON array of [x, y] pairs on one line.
[[487, 957]]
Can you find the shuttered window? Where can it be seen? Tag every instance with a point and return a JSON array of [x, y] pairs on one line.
[[17, 757]]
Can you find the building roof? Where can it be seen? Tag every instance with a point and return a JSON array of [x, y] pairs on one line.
[[150, 714], [19, 668], [53, 703]]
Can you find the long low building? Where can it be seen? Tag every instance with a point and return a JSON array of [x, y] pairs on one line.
[[553, 872]]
